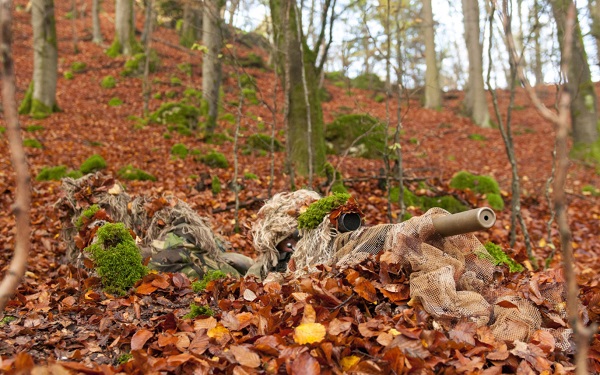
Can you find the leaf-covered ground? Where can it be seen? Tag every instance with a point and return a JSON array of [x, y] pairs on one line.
[[330, 322]]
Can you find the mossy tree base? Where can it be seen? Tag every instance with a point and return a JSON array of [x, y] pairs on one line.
[[587, 153], [34, 107]]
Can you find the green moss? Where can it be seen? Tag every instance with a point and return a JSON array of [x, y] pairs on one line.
[[108, 82], [88, 213], [39, 110], [343, 131], [129, 172], [7, 319], [250, 176], [497, 256], [78, 66], [74, 174], [25, 106], [33, 128], [250, 95], [115, 49], [197, 310], [135, 65], [157, 96], [117, 259], [181, 129], [200, 285], [124, 358], [263, 142], [335, 76], [590, 190], [479, 184], [314, 214], [115, 102], [477, 137], [447, 202], [495, 201], [338, 185], [179, 150], [32, 143], [185, 68], [176, 113], [214, 159], [379, 98], [52, 173], [229, 117], [170, 94], [176, 81], [215, 185], [368, 81], [247, 81], [252, 60], [68, 75], [92, 164], [2, 130], [588, 153]]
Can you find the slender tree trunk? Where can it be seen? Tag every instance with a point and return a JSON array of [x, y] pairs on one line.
[[433, 93], [97, 33], [211, 64], [233, 9], [594, 6], [22, 204], [475, 99], [40, 101], [147, 47], [124, 28], [584, 108], [74, 25], [539, 76], [191, 29]]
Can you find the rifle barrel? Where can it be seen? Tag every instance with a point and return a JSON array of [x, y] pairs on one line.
[[465, 222]]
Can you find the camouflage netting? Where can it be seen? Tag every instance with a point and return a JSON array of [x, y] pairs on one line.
[[176, 237], [452, 277]]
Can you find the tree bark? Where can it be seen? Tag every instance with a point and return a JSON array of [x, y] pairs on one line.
[[191, 29], [539, 76], [124, 27], [211, 63], [96, 32], [433, 93], [475, 99], [584, 108], [594, 6], [297, 111], [45, 59], [21, 208]]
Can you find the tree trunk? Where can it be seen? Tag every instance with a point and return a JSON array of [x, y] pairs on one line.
[[191, 29], [297, 112], [211, 64], [595, 26], [97, 33], [433, 93], [475, 99], [584, 112], [539, 76], [124, 42], [40, 100]]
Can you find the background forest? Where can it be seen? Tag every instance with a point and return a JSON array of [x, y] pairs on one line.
[[406, 105]]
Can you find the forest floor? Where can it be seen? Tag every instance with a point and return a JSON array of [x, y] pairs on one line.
[[61, 321]]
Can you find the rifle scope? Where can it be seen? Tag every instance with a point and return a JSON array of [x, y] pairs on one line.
[[349, 222]]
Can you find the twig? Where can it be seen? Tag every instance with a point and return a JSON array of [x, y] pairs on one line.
[[22, 205]]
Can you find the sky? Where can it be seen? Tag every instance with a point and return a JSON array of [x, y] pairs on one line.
[[449, 40]]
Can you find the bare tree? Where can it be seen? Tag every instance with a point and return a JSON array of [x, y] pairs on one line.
[[147, 47], [96, 32], [560, 121], [124, 42], [22, 205]]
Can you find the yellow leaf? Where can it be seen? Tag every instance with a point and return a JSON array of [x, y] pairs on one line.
[[542, 243], [218, 332], [348, 362], [309, 333], [394, 332]]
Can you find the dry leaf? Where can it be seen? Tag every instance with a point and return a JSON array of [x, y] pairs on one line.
[[139, 339], [244, 356], [309, 333]]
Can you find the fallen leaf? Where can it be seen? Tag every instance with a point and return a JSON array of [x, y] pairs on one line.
[[309, 333], [139, 339], [244, 356], [348, 362]]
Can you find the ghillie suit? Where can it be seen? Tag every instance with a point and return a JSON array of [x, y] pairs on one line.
[[175, 237], [452, 277]]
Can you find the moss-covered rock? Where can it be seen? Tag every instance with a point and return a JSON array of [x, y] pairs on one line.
[[117, 259], [368, 81], [68, 75], [52, 173], [108, 82], [115, 102], [179, 150], [86, 214], [78, 66], [484, 185], [262, 142], [447, 202], [314, 214], [92, 164], [176, 114], [252, 60], [214, 159], [129, 172], [344, 130]]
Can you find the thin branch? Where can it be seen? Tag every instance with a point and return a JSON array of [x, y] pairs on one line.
[[22, 205]]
